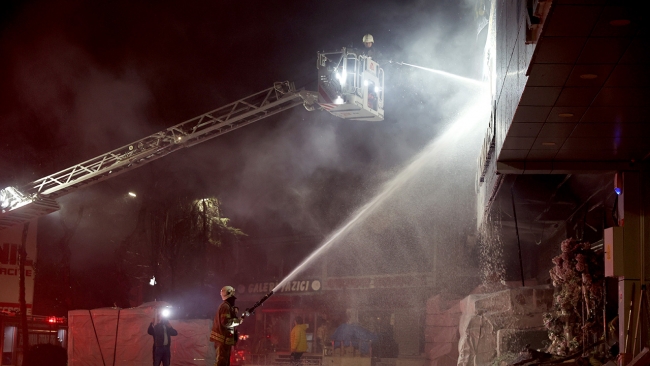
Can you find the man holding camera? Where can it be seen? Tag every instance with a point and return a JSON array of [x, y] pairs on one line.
[[162, 332]]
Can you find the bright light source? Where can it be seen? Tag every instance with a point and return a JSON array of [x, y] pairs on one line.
[[132, 194], [339, 100], [152, 281], [365, 82], [618, 191], [165, 313], [342, 77], [11, 199], [377, 89], [54, 320]]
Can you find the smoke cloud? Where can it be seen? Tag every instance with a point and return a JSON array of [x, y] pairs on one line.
[[85, 79]]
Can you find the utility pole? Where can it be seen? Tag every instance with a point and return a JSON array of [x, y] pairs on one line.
[[21, 299]]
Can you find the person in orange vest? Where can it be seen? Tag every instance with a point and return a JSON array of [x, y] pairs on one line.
[[298, 340]]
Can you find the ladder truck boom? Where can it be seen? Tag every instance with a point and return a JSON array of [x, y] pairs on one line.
[[350, 86], [35, 199]]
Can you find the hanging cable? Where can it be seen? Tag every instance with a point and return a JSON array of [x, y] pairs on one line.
[[514, 213]]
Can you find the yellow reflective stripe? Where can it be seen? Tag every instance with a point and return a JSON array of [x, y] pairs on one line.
[[216, 337]]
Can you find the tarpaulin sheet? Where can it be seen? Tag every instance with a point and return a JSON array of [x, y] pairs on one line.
[[118, 337], [354, 335]]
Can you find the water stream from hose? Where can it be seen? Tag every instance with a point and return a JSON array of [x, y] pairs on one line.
[[463, 79], [470, 118]]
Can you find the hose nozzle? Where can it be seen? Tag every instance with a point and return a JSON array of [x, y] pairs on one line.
[[251, 310]]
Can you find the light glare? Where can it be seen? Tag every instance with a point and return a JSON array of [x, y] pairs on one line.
[[11, 198], [342, 77]]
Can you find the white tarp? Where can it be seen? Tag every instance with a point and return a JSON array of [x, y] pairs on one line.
[[118, 337]]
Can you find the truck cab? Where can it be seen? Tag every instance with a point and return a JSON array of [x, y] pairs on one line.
[[350, 85]]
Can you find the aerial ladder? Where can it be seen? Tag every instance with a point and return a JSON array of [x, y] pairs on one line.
[[350, 86]]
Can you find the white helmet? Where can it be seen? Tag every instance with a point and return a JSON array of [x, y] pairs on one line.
[[227, 291], [368, 38]]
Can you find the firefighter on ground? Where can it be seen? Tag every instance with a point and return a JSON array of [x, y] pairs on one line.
[[223, 327]]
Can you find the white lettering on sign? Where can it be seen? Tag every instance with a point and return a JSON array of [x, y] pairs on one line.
[[11, 271], [290, 286], [262, 287], [11, 240], [6, 307], [301, 286]]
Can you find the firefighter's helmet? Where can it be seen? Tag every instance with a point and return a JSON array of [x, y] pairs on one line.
[[227, 291], [368, 38]]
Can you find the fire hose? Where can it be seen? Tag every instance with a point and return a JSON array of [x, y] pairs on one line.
[[251, 310]]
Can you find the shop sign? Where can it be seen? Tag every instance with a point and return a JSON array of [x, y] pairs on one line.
[[10, 241], [297, 286]]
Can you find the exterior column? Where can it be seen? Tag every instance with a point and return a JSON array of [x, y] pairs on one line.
[[634, 202]]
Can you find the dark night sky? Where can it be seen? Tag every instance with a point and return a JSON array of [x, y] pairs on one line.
[[78, 79]]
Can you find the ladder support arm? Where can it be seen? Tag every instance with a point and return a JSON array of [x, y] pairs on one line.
[[280, 97]]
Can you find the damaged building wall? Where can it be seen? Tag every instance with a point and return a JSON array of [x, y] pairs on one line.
[[492, 324]]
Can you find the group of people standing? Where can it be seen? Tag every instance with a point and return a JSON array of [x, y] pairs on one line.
[[223, 334]]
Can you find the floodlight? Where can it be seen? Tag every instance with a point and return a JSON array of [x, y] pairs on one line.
[[11, 199]]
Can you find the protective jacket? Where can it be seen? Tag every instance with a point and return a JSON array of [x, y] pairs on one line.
[[299, 338], [374, 53], [225, 321]]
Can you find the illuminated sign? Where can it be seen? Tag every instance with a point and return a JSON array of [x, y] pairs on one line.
[[297, 286]]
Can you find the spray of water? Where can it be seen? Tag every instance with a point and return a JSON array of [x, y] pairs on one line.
[[471, 117], [463, 79]]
